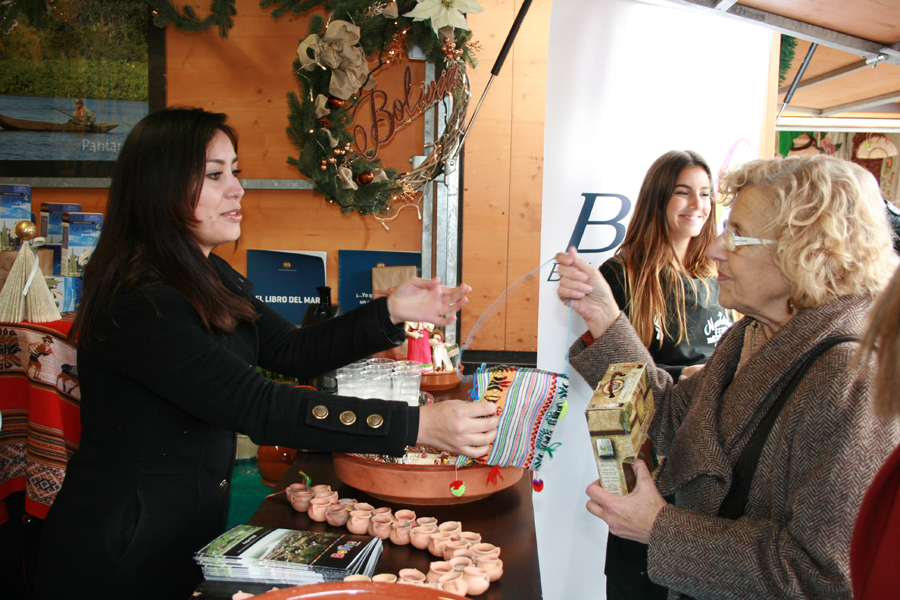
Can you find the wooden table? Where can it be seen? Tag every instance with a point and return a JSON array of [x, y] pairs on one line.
[[505, 519]]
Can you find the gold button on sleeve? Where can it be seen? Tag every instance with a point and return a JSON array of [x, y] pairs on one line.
[[375, 421], [320, 411], [348, 417]]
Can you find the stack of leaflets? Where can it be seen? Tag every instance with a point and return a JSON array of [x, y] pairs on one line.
[[249, 553]]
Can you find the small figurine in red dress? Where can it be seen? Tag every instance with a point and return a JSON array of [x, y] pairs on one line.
[[419, 346]]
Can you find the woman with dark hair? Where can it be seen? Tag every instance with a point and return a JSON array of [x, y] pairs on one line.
[[169, 339], [662, 279]]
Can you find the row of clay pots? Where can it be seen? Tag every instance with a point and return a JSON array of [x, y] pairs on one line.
[[468, 566]]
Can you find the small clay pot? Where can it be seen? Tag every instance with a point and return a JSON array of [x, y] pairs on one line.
[[332, 497], [454, 583], [357, 578], [437, 569], [454, 528], [486, 551], [363, 506], [337, 515], [300, 500], [383, 510], [400, 531], [348, 502], [413, 576], [467, 553], [460, 562], [494, 568], [471, 537], [477, 580], [452, 546], [385, 578], [322, 487], [317, 508], [359, 522], [404, 514], [436, 545], [420, 536], [427, 521], [381, 526]]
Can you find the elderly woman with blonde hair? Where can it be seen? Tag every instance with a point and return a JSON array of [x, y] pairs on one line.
[[770, 447]]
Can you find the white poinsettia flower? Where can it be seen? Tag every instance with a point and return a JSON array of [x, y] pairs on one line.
[[444, 12]]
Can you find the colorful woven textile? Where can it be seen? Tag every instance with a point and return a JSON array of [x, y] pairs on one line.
[[40, 402], [529, 402]]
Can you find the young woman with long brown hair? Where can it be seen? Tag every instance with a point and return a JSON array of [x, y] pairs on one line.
[[660, 275], [662, 279]]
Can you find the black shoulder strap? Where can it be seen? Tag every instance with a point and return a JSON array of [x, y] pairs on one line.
[[736, 501]]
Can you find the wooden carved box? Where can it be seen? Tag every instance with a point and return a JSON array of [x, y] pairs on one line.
[[618, 418]]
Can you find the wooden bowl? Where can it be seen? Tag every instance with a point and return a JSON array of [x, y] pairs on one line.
[[424, 485], [359, 590], [445, 380]]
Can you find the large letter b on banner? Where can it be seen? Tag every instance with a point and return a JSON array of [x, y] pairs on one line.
[[584, 220]]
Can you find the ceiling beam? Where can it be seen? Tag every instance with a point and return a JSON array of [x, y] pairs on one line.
[[860, 104], [857, 66], [867, 49]]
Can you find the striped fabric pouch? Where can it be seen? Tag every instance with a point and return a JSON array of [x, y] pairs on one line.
[[530, 402]]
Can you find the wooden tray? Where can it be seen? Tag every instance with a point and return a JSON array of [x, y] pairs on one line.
[[433, 382], [423, 485]]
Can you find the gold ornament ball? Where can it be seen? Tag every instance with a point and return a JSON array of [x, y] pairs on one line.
[[334, 103], [365, 177], [25, 230], [323, 167]]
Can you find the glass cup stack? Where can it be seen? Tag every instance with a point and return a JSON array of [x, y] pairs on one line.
[[381, 378]]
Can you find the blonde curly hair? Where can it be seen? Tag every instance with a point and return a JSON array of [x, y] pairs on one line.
[[831, 230]]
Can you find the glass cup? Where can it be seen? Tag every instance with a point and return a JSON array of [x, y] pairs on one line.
[[380, 385], [372, 362], [406, 385], [406, 363], [349, 378]]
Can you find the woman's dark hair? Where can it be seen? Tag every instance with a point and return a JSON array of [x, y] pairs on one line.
[[647, 253], [148, 234]]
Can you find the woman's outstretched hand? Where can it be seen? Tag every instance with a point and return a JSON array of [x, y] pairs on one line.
[[426, 300], [630, 516], [582, 287], [459, 427]]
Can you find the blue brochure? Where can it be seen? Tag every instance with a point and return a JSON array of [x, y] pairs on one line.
[[286, 280], [355, 272]]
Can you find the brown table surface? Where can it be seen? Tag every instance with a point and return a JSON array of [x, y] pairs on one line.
[[505, 519]]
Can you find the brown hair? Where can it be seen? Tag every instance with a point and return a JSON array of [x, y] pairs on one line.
[[647, 254]]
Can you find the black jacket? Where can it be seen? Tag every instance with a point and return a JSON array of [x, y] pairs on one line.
[[162, 398]]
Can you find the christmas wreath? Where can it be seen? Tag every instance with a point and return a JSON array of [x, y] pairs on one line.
[[333, 72]]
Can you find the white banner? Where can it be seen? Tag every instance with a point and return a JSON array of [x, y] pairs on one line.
[[627, 81]]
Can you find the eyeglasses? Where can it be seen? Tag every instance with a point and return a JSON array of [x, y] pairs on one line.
[[733, 241]]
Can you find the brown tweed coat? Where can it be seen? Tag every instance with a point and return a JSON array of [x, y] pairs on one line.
[[821, 455]]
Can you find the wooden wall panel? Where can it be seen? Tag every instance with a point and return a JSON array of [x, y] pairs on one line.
[[248, 76], [503, 176]]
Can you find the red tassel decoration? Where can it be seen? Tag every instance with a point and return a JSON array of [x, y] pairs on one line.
[[457, 488], [494, 474], [537, 484]]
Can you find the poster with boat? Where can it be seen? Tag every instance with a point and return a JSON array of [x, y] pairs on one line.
[[74, 80]]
